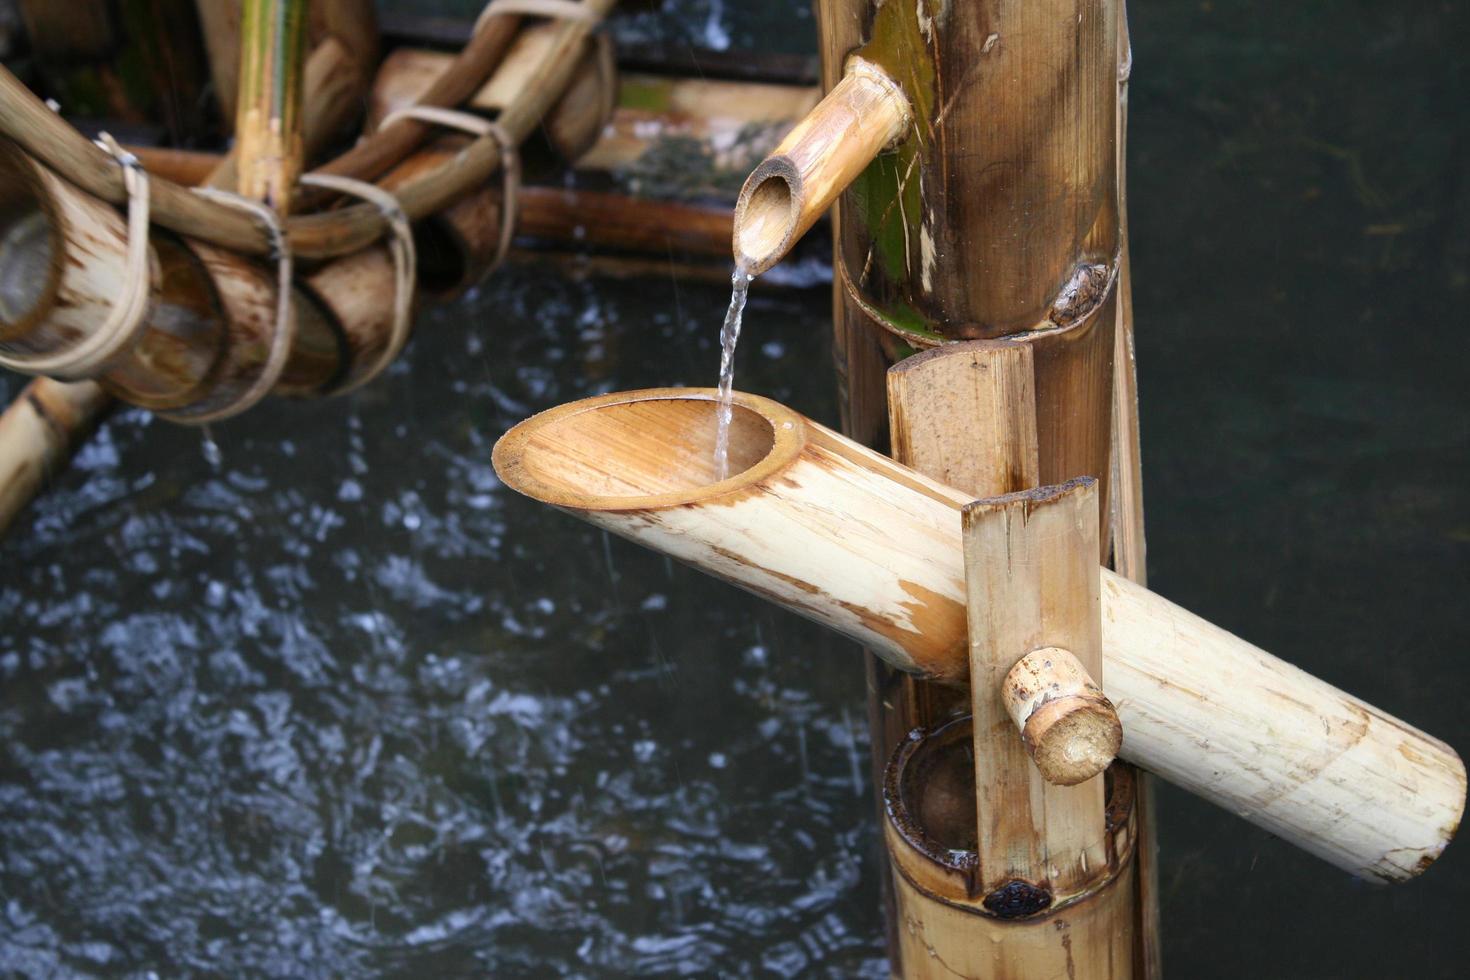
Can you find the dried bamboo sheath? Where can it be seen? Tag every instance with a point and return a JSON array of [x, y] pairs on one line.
[[853, 540]]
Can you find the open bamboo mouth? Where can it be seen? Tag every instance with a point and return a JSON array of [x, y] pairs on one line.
[[639, 450], [28, 266], [765, 222]]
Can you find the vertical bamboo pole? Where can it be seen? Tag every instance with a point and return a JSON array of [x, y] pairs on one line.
[[996, 217], [268, 118]]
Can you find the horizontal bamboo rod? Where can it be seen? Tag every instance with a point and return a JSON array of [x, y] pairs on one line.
[[865, 112], [853, 540]]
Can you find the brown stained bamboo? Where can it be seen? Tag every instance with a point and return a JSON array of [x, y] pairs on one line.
[[268, 120], [339, 232], [784, 196], [1031, 581], [219, 21], [851, 539], [38, 433], [63, 256], [1070, 728], [947, 926]]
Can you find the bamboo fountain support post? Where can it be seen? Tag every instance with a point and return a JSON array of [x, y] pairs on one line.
[[997, 214]]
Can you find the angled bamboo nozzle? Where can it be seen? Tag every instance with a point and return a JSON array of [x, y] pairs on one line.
[[851, 539], [864, 113]]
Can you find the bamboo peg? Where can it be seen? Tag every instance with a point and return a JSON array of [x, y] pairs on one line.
[[795, 185], [1069, 726]]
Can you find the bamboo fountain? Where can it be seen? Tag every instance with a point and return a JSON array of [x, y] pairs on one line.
[[971, 156], [984, 335]]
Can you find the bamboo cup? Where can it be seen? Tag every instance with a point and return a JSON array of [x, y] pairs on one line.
[[853, 540], [795, 185]]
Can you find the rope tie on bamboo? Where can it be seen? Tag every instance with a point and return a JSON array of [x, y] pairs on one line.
[[405, 262], [125, 321], [550, 9], [510, 161], [282, 337]]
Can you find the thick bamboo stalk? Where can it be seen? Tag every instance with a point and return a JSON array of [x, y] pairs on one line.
[[873, 549], [949, 926], [38, 432], [797, 183]]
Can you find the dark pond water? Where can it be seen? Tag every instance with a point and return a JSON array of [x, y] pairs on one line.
[[343, 706]]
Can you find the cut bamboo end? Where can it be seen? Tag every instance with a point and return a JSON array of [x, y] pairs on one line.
[[864, 113], [1068, 725]]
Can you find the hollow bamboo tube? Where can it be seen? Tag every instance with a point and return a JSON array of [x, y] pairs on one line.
[[949, 926], [855, 541], [38, 431], [795, 185], [1069, 726]]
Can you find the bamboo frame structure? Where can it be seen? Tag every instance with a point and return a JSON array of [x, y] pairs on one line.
[[851, 539]]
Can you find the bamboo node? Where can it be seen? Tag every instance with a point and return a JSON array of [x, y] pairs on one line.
[[510, 162], [1017, 899], [125, 321]]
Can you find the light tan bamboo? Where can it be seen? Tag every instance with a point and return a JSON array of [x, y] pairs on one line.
[[949, 926], [38, 431], [797, 183], [1069, 726], [853, 540], [268, 145], [1030, 579]]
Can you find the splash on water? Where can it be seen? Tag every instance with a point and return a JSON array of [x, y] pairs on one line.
[[729, 336]]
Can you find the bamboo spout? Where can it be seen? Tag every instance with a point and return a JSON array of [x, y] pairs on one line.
[[864, 113], [851, 539]]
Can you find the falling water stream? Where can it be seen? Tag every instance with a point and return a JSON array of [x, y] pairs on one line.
[[729, 337]]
